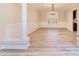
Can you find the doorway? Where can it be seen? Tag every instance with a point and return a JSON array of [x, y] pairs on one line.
[[75, 20]]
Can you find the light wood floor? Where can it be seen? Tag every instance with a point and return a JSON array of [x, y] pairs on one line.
[[50, 42]]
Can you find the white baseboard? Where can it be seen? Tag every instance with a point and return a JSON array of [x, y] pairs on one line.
[[52, 27], [14, 45]]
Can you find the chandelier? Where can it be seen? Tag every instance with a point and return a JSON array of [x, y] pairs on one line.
[[52, 12]]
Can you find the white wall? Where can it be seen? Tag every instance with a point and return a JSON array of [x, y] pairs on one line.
[[60, 16], [78, 27], [8, 15], [33, 19], [11, 16], [69, 22], [70, 16], [78, 21]]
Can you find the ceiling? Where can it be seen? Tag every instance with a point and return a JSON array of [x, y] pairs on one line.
[[48, 6]]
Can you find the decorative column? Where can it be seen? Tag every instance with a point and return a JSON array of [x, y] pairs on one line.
[[24, 38]]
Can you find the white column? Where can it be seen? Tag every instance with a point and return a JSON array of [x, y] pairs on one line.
[[23, 22], [24, 38]]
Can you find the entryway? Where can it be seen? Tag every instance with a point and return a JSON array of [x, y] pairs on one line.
[[75, 20]]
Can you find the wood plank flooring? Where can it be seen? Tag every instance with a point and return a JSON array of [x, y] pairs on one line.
[[49, 42]]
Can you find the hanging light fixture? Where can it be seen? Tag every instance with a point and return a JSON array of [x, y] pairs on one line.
[[52, 12], [53, 19]]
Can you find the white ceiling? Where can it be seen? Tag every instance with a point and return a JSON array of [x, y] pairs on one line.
[[48, 6]]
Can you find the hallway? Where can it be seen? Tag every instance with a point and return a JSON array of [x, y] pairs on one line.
[[49, 42]]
